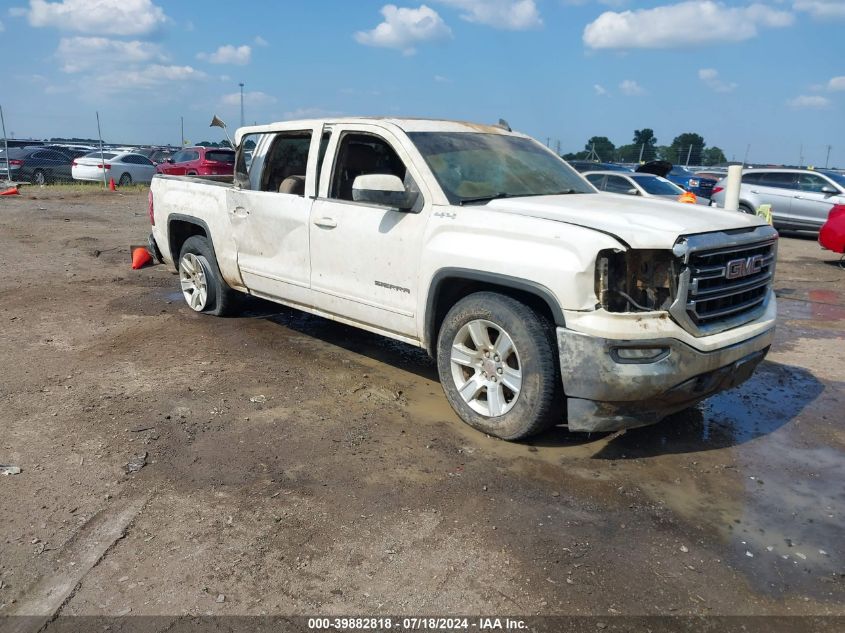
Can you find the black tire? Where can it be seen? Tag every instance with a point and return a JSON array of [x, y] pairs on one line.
[[39, 177], [747, 209], [535, 407], [221, 299], [125, 180]]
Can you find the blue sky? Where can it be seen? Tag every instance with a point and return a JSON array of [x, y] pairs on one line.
[[769, 74]]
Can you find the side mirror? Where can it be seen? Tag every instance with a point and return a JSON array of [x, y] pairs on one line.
[[632, 192], [383, 189], [829, 191], [169, 160]]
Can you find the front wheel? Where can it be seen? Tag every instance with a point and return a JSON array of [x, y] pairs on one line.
[[125, 180], [39, 177], [202, 285], [495, 357], [744, 208]]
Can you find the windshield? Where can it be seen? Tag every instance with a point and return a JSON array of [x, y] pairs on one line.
[[470, 166], [657, 186], [104, 156], [836, 177]]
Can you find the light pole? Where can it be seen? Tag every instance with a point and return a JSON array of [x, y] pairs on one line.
[[242, 103]]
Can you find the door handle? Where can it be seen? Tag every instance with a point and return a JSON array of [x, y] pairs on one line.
[[754, 191], [326, 223], [240, 212], [799, 197]]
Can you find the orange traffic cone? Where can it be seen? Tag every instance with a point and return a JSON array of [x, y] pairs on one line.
[[688, 197], [11, 191], [111, 184], [140, 258]]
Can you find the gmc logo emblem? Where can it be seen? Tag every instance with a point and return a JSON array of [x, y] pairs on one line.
[[737, 268]]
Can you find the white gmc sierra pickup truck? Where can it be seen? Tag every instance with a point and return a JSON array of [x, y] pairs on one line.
[[542, 300]]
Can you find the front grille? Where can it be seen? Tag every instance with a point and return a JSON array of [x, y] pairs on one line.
[[724, 287]]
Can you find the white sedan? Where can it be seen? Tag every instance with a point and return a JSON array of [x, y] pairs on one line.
[[640, 184], [124, 167]]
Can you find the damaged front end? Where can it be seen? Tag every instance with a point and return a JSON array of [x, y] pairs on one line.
[[666, 330]]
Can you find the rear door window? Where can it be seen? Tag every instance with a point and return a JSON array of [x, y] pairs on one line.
[[779, 180], [751, 179]]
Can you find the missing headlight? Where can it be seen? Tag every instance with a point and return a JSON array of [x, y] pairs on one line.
[[636, 280]]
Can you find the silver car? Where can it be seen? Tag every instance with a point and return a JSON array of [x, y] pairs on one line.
[[800, 198], [636, 184]]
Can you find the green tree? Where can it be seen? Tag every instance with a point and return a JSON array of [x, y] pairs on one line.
[[646, 144], [631, 153], [713, 156], [602, 146], [688, 145]]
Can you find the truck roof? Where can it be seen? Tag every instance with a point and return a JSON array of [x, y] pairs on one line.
[[406, 124]]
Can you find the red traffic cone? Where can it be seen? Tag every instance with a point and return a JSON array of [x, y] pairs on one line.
[[11, 191], [140, 258], [111, 184]]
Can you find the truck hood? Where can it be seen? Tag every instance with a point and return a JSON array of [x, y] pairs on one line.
[[637, 222]]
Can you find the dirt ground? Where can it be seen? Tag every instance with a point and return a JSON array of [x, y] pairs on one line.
[[298, 466]]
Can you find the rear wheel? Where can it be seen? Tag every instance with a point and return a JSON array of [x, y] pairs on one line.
[[202, 285], [125, 180], [747, 209], [495, 357]]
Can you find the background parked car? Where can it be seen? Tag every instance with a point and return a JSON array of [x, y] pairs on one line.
[[200, 161], [157, 154], [633, 184], [38, 165], [801, 199], [701, 187], [589, 165], [713, 174], [832, 233], [125, 167]]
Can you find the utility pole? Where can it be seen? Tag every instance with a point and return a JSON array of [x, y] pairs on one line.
[[689, 153], [747, 151], [801, 156], [242, 103], [182, 120], [558, 147], [548, 142], [827, 160]]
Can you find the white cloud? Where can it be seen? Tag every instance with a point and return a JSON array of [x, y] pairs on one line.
[[821, 9], [2, 28], [815, 102], [255, 98], [155, 77], [515, 15], [600, 90], [260, 41], [631, 88], [102, 17], [442, 80], [684, 24], [837, 83], [402, 29], [228, 54], [77, 54], [710, 77]]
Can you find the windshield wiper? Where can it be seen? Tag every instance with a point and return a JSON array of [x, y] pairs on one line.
[[495, 196]]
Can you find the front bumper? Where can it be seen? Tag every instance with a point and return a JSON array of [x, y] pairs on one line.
[[606, 392]]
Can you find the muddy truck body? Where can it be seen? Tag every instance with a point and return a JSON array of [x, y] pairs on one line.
[[542, 300]]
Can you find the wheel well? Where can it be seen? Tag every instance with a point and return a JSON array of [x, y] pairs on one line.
[[179, 231], [446, 292]]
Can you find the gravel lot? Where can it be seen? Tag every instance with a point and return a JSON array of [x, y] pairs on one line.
[[298, 466]]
